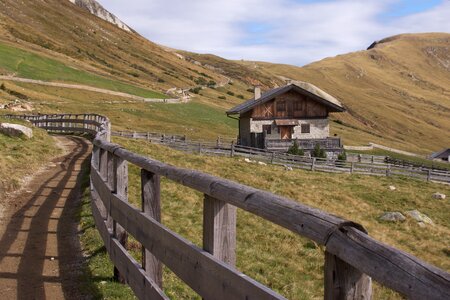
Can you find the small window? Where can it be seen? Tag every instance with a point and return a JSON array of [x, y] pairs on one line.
[[298, 105], [306, 128], [281, 106], [267, 129]]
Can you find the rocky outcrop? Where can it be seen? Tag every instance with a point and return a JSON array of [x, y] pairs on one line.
[[16, 130], [98, 10], [394, 216]]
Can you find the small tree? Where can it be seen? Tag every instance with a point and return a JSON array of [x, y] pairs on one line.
[[319, 152], [342, 156], [3, 87], [295, 149]]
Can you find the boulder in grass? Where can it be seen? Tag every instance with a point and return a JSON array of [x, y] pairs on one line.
[[419, 217], [16, 130], [439, 196], [394, 216]]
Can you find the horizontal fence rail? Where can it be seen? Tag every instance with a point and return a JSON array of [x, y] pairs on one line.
[[352, 257], [355, 164]]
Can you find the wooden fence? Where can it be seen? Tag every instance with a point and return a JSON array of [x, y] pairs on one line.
[[355, 164], [352, 258]]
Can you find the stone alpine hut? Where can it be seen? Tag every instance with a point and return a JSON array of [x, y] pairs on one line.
[[297, 111]]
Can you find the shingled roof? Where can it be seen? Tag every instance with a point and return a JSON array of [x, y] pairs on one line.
[[301, 87]]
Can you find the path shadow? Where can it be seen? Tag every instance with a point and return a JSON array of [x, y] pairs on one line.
[[40, 253]]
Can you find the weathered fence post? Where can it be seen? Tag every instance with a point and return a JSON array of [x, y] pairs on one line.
[[429, 175], [219, 229], [232, 149], [343, 281], [218, 142], [313, 163], [148, 136], [272, 157], [121, 189], [151, 206], [199, 148], [388, 170], [352, 167]]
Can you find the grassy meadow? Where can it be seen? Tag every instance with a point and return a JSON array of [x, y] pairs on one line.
[[287, 263], [33, 66]]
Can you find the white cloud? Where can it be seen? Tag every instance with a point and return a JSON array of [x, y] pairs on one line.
[[294, 32]]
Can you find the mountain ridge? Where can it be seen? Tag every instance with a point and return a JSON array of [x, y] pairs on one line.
[[98, 10], [396, 93]]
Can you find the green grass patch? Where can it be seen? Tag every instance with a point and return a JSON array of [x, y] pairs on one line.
[[33, 66], [20, 156]]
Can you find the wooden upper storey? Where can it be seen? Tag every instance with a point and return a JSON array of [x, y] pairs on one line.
[[290, 105], [297, 100]]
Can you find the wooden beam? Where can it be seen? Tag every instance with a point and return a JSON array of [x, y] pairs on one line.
[[121, 189], [344, 282], [151, 207], [219, 229]]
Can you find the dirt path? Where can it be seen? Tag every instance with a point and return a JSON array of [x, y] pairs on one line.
[[40, 255], [87, 88]]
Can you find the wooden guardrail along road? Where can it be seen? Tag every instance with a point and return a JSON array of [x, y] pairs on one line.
[[352, 258]]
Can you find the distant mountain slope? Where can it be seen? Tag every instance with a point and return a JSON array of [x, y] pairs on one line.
[[98, 10], [398, 91]]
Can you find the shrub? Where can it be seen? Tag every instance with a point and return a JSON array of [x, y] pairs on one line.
[[222, 97], [295, 149], [240, 96], [319, 152], [230, 93], [195, 90], [161, 80], [250, 90], [342, 156], [211, 83], [2, 87], [201, 81]]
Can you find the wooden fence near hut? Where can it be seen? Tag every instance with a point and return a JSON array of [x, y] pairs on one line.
[[356, 164], [352, 257]]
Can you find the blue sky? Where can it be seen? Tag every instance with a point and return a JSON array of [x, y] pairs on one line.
[[284, 31]]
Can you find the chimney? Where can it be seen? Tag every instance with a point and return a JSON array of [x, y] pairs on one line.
[[257, 92]]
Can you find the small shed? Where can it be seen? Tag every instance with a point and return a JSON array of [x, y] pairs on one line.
[[444, 155], [297, 111]]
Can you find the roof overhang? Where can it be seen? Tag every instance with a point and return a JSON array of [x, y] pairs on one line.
[[307, 89]]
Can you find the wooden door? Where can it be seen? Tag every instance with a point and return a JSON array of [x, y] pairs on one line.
[[286, 132]]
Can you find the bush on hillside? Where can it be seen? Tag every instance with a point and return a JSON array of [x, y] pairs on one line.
[[342, 156], [295, 149], [222, 97], [318, 152], [230, 93], [2, 87], [195, 90]]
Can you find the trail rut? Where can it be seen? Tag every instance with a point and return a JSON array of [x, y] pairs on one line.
[[40, 255]]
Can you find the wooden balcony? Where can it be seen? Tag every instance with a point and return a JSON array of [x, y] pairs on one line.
[[331, 143]]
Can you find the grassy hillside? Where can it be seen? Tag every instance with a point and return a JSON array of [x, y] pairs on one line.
[[397, 93], [20, 156], [26, 64], [283, 261]]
